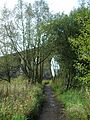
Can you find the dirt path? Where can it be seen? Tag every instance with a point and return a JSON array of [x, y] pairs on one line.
[[52, 110]]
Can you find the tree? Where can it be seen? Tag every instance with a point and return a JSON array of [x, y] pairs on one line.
[[81, 45], [24, 33], [42, 13], [58, 34], [8, 62], [70, 40]]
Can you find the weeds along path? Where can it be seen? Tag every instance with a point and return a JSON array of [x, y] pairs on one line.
[[52, 110]]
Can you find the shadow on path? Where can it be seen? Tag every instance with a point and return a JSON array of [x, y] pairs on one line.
[[52, 110]]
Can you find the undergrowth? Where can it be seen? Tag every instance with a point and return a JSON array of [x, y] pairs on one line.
[[19, 100], [77, 102]]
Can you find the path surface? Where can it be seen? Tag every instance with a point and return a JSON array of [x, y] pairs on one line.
[[52, 110]]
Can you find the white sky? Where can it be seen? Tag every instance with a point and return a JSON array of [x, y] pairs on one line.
[[54, 5]]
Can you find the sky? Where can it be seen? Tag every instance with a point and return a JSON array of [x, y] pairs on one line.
[[55, 5]]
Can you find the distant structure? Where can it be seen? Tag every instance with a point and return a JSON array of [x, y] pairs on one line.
[[54, 67]]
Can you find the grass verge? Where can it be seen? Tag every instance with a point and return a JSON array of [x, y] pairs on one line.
[[19, 100], [77, 103]]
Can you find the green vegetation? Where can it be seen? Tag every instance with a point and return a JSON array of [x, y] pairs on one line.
[[45, 82], [72, 42], [19, 100], [9, 66], [43, 35], [70, 36], [30, 37], [21, 34], [77, 102]]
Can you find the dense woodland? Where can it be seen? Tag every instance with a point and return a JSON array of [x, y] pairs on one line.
[[30, 35]]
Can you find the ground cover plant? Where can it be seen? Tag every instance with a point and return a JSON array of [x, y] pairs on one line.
[[77, 102], [19, 99]]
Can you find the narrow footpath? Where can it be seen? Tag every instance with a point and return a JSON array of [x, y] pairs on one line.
[[52, 110]]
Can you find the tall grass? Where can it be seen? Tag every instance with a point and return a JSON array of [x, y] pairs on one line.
[[19, 99], [77, 103]]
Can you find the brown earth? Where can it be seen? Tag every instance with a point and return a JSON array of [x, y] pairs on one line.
[[52, 109]]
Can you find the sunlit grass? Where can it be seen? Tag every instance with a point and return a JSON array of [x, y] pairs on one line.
[[44, 82]]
